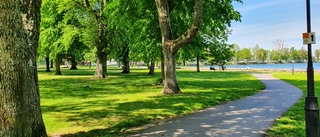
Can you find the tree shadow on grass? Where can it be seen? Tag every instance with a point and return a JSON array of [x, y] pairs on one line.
[[208, 90], [84, 87], [137, 113]]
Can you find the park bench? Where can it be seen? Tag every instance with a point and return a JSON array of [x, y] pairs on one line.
[[212, 68]]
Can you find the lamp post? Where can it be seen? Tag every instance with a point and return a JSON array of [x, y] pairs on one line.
[[292, 47], [311, 104]]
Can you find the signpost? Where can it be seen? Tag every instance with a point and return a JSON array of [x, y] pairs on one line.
[[309, 38], [311, 105]]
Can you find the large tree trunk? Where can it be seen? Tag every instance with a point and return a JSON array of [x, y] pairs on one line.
[[198, 64], [58, 63], [48, 64], [125, 60], [170, 47], [101, 67], [20, 113], [170, 83], [73, 63], [51, 63], [151, 68], [162, 68]]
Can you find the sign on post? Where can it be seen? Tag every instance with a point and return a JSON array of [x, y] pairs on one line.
[[309, 38]]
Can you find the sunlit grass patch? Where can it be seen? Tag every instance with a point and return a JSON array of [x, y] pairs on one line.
[[292, 124], [79, 105]]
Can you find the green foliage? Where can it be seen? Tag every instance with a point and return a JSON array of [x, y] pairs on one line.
[[317, 54], [220, 54], [61, 29], [184, 54], [217, 17], [280, 52], [302, 54], [78, 105], [137, 22], [49, 30], [69, 26], [194, 49], [244, 53], [159, 81], [262, 54]]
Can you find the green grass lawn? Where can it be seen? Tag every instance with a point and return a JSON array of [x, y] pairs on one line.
[[292, 123], [75, 104]]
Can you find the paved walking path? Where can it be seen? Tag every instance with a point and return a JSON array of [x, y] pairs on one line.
[[247, 117]]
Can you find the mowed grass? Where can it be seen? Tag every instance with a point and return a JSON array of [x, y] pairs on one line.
[[292, 124], [75, 104]]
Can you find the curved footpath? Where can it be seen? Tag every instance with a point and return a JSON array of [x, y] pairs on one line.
[[247, 117]]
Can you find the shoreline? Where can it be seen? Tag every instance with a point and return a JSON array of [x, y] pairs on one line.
[[249, 69]]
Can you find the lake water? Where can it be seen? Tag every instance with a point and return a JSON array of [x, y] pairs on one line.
[[302, 66]]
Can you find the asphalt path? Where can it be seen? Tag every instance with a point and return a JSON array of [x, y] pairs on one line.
[[247, 117]]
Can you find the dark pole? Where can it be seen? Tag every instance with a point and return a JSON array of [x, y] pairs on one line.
[[311, 104]]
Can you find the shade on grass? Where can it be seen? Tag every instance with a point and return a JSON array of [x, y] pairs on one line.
[[75, 104]]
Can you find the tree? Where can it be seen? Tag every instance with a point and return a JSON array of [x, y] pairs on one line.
[[20, 113], [76, 53], [73, 24], [279, 48], [184, 55], [137, 22], [317, 54], [275, 55], [302, 54], [49, 33], [262, 54], [216, 20], [218, 51], [61, 32], [171, 46], [125, 60], [235, 49], [255, 52], [244, 54], [221, 53], [95, 12], [195, 50], [148, 51]]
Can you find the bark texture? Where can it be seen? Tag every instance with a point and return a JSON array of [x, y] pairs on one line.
[[151, 67], [48, 64], [20, 113], [57, 64], [73, 63], [171, 46], [125, 59], [101, 69], [51, 63], [198, 64]]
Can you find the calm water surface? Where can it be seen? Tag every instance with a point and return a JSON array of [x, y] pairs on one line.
[[316, 66]]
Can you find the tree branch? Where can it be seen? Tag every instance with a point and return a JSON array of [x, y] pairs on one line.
[[164, 20], [171, 5], [185, 38], [86, 4]]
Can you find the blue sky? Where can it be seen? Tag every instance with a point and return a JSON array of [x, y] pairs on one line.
[[264, 21]]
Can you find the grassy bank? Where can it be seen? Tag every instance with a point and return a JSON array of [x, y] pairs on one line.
[[292, 123], [75, 104]]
